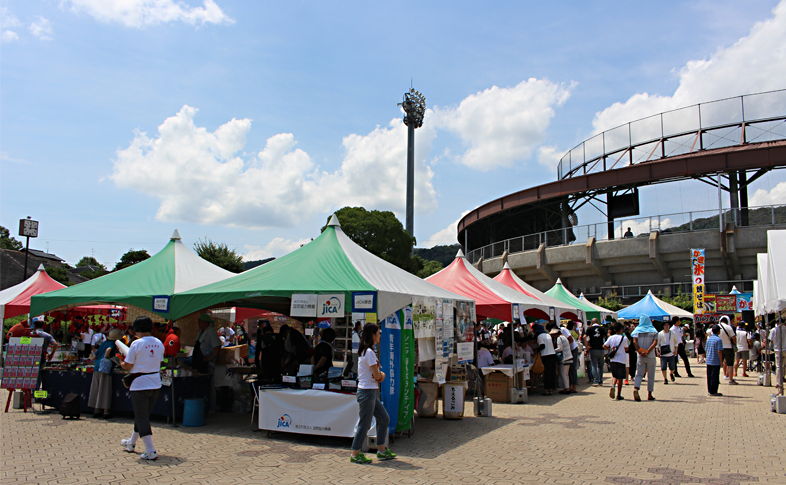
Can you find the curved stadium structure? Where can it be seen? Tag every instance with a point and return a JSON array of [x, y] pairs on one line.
[[729, 144]]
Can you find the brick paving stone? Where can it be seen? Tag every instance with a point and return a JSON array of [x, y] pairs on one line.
[[684, 436]]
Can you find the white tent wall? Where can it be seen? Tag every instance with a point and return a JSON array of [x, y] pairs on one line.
[[775, 290]]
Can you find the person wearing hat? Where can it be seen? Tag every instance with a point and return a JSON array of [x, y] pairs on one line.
[[101, 387]]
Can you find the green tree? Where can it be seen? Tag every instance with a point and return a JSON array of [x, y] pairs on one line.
[[612, 302], [681, 300], [58, 274], [444, 254], [89, 261], [427, 267], [220, 255], [380, 233], [130, 258], [8, 242]]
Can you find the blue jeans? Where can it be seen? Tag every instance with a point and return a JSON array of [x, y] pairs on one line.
[[370, 406], [597, 360]]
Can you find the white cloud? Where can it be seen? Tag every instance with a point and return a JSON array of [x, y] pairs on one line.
[[42, 28], [141, 13], [755, 63], [502, 125], [8, 20], [9, 36], [199, 176], [549, 156], [274, 249], [446, 236], [777, 195]]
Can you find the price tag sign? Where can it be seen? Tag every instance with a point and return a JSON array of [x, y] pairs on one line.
[[348, 383], [25, 340], [289, 379], [320, 386], [40, 394]]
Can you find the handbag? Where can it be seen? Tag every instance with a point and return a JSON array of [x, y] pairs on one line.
[[537, 365], [559, 357], [665, 349], [130, 378], [105, 366], [614, 349]]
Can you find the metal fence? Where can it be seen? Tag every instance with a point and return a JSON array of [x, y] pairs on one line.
[[771, 215], [727, 122], [639, 291]]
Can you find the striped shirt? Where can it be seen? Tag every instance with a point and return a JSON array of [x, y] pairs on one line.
[[644, 340], [713, 345]]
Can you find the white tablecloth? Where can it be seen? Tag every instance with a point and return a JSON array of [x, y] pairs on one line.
[[308, 411], [506, 369]]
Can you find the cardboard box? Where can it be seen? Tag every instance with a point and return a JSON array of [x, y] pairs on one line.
[[228, 355], [498, 387]]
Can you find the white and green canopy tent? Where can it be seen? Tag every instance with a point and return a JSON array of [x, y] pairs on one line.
[[330, 264], [153, 281]]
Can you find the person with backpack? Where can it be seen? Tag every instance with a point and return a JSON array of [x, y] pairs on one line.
[[666, 350], [617, 346], [369, 405]]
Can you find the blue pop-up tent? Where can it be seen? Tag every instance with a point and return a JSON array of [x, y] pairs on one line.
[[646, 306]]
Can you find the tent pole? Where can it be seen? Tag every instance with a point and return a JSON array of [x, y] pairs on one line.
[[2, 333]]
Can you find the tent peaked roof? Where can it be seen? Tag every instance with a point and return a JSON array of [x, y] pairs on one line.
[[653, 307], [559, 292], [175, 236], [334, 221], [508, 278], [492, 298], [16, 299], [603, 311], [331, 263], [460, 253], [172, 270]]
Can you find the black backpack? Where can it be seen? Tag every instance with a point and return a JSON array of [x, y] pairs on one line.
[[70, 407]]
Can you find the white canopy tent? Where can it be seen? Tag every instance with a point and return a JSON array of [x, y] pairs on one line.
[[775, 288]]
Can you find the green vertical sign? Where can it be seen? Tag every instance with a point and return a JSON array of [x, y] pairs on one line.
[[406, 406]]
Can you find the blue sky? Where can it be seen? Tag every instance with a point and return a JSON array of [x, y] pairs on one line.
[[249, 122]]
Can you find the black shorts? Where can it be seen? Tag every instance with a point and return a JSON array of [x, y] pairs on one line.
[[728, 356], [618, 370]]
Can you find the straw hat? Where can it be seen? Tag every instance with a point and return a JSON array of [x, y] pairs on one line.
[[115, 334]]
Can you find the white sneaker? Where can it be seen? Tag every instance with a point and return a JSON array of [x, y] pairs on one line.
[[126, 443], [149, 455]]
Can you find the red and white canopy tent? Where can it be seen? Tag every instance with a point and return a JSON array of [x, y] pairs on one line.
[[508, 278], [15, 301], [492, 298]]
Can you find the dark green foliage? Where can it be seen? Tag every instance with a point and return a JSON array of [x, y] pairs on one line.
[[130, 258], [7, 241], [380, 233], [58, 274], [443, 254], [220, 255], [247, 265]]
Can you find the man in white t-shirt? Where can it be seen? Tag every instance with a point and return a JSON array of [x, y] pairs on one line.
[[98, 339], [227, 332], [743, 350], [681, 354], [666, 349], [87, 341], [729, 338], [618, 344]]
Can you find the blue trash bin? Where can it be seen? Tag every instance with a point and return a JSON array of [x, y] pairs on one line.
[[194, 412]]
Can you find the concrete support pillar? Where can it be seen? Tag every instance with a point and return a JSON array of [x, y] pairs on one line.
[[743, 198], [609, 195], [734, 198]]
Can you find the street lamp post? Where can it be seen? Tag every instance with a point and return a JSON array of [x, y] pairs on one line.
[[414, 105]]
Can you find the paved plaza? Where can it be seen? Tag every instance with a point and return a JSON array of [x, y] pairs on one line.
[[683, 437]]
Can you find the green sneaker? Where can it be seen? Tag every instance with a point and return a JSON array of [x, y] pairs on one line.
[[386, 455], [360, 458]]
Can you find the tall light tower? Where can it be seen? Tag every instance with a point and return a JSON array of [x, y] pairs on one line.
[[414, 108]]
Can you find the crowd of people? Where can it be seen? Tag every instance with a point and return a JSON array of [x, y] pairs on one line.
[[630, 351]]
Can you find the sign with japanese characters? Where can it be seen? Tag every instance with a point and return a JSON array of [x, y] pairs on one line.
[[697, 276]]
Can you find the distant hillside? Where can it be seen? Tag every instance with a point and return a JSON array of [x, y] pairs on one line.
[[247, 265], [756, 217], [442, 254]]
